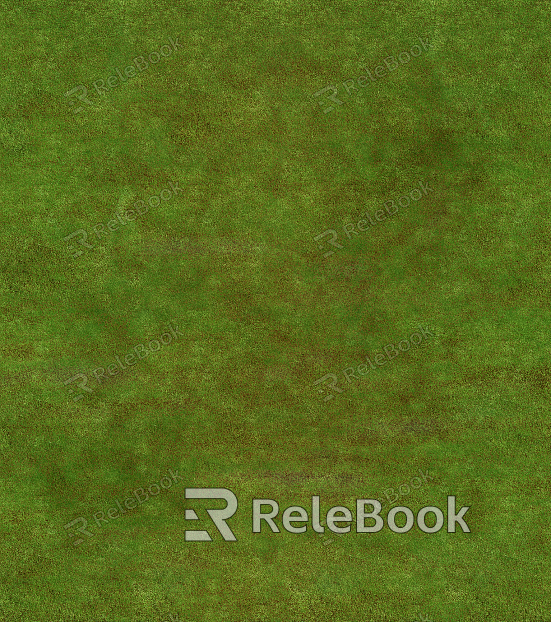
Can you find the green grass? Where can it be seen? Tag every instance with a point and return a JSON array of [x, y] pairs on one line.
[[231, 117]]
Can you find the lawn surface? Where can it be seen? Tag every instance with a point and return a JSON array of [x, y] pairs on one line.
[[206, 119]]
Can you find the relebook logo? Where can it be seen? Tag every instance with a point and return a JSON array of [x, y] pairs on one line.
[[338, 514]]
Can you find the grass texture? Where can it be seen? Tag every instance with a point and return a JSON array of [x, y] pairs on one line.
[[230, 120]]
